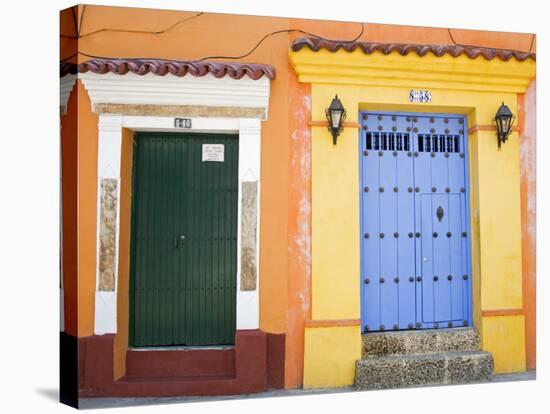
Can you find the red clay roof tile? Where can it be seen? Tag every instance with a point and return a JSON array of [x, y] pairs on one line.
[[316, 44], [235, 70]]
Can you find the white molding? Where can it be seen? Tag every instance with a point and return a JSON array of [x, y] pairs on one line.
[[248, 309], [248, 315], [249, 157], [166, 123], [66, 85], [108, 166], [105, 312], [151, 89], [109, 146], [110, 134]]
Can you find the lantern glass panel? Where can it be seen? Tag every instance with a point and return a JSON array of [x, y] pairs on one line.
[[335, 116], [506, 121], [500, 124]]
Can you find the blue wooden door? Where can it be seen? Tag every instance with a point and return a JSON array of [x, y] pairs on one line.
[[415, 263]]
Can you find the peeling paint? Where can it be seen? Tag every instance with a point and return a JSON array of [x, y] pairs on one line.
[[299, 236], [527, 123], [249, 221], [528, 152], [107, 234]]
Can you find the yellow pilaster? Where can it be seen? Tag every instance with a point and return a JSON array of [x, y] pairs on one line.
[[330, 354], [334, 212]]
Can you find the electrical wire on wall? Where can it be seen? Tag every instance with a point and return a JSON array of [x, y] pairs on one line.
[[79, 36], [468, 45], [78, 28], [158, 32]]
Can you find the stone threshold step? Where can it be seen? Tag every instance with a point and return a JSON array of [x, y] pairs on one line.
[[423, 369], [420, 342]]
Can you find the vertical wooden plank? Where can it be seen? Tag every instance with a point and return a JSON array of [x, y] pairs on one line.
[[441, 259], [179, 250], [197, 309], [234, 216], [456, 253], [406, 230], [214, 297], [426, 253], [370, 212], [388, 227], [226, 246], [465, 227], [161, 281], [152, 274], [191, 221], [149, 271], [423, 247], [206, 168], [176, 232]]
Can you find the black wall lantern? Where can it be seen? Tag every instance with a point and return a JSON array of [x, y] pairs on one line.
[[504, 120], [336, 113]]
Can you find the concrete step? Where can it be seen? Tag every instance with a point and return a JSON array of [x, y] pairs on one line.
[[396, 371], [420, 342]]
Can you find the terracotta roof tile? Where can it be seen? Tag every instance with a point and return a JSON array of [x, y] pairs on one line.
[[406, 48], [235, 70]]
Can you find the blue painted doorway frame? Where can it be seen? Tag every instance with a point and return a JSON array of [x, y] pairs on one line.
[[401, 147]]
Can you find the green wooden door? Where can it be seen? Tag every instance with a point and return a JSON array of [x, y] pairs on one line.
[[184, 241]]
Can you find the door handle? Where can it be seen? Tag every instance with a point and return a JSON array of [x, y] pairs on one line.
[[177, 239]]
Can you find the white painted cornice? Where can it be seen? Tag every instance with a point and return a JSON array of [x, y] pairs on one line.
[[152, 89]]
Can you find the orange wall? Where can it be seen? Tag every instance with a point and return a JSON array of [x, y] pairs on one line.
[[87, 210], [527, 124], [285, 193], [79, 186]]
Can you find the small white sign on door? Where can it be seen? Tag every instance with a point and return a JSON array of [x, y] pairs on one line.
[[212, 152]]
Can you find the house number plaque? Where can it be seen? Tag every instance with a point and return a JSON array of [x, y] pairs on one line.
[[420, 96], [182, 123]]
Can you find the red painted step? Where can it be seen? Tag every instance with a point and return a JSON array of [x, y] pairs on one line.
[[181, 363]]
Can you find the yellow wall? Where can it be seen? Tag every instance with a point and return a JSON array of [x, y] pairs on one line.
[[503, 337], [335, 213], [500, 228], [329, 356], [475, 88]]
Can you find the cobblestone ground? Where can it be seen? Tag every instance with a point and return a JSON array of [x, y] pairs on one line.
[[92, 403]]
